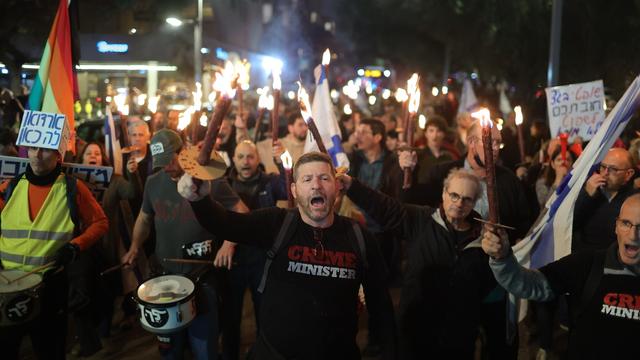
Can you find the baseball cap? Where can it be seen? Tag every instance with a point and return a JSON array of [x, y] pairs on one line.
[[164, 144]]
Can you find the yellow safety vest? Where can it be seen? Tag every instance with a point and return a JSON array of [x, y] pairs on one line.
[[26, 244]]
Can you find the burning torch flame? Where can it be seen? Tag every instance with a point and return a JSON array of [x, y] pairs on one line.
[[242, 69], [153, 103], [412, 83], [287, 161], [185, 118], [414, 102], [277, 84], [224, 83], [484, 116], [401, 95], [519, 118], [303, 99], [270, 102], [263, 100], [326, 57], [197, 97]]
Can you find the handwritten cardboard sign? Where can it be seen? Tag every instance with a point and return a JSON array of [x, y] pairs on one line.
[[44, 130], [576, 109], [97, 178]]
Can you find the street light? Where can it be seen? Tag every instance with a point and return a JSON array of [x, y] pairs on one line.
[[197, 39]]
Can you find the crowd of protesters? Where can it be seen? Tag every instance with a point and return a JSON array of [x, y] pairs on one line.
[[455, 273]]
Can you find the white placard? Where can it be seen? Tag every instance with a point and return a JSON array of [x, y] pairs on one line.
[[44, 130], [97, 178], [576, 109]]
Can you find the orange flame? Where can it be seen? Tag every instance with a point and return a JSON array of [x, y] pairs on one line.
[[519, 117], [225, 79]]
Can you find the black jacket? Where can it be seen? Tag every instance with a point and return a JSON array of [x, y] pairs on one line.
[[514, 209], [446, 279]]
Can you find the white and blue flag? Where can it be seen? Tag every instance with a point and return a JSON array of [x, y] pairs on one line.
[[112, 144], [326, 121]]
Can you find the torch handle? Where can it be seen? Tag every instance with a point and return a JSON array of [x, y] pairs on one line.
[[409, 138], [316, 136], [521, 143], [490, 169], [275, 116], [240, 100], [256, 130], [222, 108]]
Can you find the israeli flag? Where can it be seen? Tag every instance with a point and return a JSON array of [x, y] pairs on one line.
[[550, 237], [326, 121]]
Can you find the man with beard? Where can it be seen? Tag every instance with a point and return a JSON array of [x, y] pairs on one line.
[[603, 287], [177, 231], [447, 277], [317, 260]]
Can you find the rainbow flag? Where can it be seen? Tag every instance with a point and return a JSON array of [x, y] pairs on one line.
[[53, 88]]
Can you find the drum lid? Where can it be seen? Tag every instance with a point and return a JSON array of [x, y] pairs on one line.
[[20, 285], [165, 289]]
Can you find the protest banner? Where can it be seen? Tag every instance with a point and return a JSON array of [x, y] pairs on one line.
[[576, 109], [44, 130], [97, 178]]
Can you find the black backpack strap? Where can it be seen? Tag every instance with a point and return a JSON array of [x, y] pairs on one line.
[[591, 285], [72, 191], [12, 185], [361, 246], [286, 231]]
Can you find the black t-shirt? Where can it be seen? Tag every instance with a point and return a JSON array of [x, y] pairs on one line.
[[308, 309], [609, 325]]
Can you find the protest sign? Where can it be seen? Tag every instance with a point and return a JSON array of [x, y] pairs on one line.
[[97, 178], [44, 130], [576, 109]]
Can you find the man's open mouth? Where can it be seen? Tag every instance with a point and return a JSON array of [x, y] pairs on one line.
[[631, 250], [317, 201]]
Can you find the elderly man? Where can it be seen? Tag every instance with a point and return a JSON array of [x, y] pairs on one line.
[[513, 204], [594, 217], [317, 260], [46, 216], [447, 277], [603, 287]]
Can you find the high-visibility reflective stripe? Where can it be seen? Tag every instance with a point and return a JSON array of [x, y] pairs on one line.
[[26, 260], [37, 235]]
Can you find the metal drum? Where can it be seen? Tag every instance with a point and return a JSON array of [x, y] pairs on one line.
[[167, 303], [20, 301]]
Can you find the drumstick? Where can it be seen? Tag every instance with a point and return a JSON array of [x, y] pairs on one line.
[[494, 224], [111, 269], [33, 271], [189, 261]]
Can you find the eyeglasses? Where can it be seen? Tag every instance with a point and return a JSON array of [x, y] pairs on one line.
[[455, 197], [611, 169], [626, 226]]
